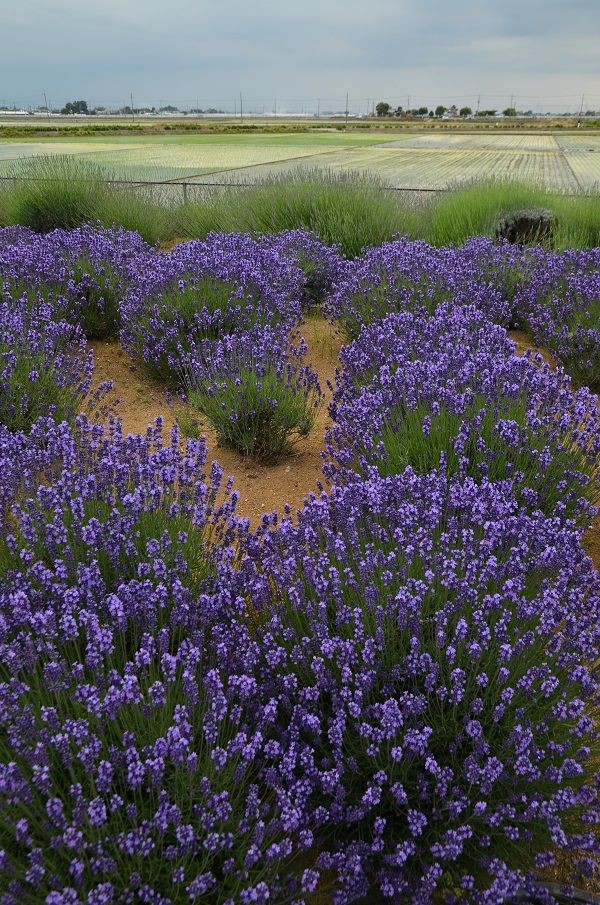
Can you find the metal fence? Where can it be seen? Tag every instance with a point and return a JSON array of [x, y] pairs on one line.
[[190, 188]]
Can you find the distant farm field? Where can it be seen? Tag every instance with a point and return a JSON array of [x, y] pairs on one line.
[[567, 162]]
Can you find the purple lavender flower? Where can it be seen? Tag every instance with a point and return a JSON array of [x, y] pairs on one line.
[[428, 642]]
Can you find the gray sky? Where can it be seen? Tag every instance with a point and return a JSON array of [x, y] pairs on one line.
[[545, 52]]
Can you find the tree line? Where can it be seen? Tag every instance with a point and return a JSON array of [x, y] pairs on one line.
[[385, 109]]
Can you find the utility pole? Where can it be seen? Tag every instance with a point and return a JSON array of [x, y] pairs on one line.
[[581, 105], [407, 102], [235, 106], [478, 103], [318, 107], [346, 111], [241, 109], [47, 107], [132, 110], [275, 107]]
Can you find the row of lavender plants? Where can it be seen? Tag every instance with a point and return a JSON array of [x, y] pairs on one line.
[[181, 312], [393, 694], [214, 320]]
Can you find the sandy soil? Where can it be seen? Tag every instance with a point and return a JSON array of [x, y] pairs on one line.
[[262, 488], [524, 344]]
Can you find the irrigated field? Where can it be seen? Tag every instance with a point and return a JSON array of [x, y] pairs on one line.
[[567, 162]]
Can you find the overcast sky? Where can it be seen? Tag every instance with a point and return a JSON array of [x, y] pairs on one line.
[[544, 52]]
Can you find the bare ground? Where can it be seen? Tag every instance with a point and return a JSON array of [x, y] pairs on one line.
[[262, 488]]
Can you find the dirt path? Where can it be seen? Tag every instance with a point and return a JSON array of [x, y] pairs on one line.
[[262, 488], [524, 344]]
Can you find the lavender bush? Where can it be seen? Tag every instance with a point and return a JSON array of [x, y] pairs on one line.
[[562, 301], [449, 389], [409, 276], [206, 290], [552, 296], [82, 273], [45, 368], [126, 772], [428, 647], [255, 391], [322, 265]]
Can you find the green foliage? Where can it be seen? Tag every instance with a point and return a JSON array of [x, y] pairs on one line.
[[475, 210], [23, 399], [64, 192], [579, 221], [54, 192], [349, 209], [135, 209], [258, 415], [75, 107], [486, 452], [382, 109], [206, 308]]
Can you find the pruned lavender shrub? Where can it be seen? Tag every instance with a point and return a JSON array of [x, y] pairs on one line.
[[45, 368], [255, 391], [409, 276], [449, 389], [322, 265], [506, 270], [206, 290], [82, 273], [562, 301], [431, 642], [127, 770]]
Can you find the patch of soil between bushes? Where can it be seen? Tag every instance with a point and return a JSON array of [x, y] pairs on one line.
[[262, 488]]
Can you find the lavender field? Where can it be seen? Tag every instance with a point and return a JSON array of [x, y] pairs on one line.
[[389, 695]]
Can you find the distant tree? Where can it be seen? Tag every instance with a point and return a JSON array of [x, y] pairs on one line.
[[422, 111], [398, 111], [383, 109], [465, 111], [486, 113], [431, 113], [510, 111], [75, 107], [440, 110]]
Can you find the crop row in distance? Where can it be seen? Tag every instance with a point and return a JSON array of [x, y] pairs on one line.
[[566, 163]]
